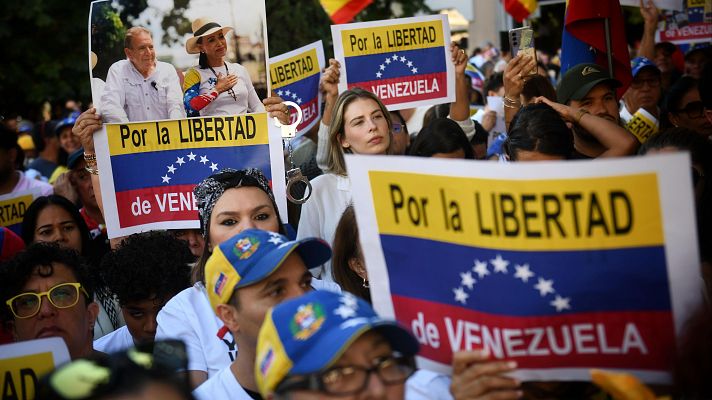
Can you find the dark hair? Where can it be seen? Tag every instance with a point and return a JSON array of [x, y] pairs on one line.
[[481, 134], [230, 179], [442, 135], [149, 265], [8, 138], [29, 223], [494, 82], [537, 127], [678, 91], [536, 86], [436, 111], [700, 149], [202, 58], [704, 85], [694, 357], [346, 247], [15, 273], [41, 131]]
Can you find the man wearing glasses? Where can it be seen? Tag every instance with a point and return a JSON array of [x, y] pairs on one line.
[[644, 92], [46, 291]]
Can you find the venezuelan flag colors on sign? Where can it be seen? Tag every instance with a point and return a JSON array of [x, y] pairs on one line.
[[23, 364], [294, 76], [405, 62], [13, 207], [149, 169], [343, 11], [561, 268]]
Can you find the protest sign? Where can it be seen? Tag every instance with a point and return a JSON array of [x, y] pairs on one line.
[[642, 125], [13, 207], [405, 62], [294, 76], [148, 170], [691, 24], [559, 266], [22, 365]]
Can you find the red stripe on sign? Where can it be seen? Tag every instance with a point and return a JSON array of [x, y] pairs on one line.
[[642, 340], [310, 111], [156, 204], [407, 88]]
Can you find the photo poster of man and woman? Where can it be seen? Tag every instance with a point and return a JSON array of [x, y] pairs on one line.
[[180, 93]]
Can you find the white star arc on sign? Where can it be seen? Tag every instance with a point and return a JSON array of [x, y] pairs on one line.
[[402, 59], [299, 100], [213, 167], [204, 159], [279, 93], [171, 169], [467, 279], [499, 264], [460, 295], [378, 74], [382, 67], [287, 93], [561, 303], [180, 161], [388, 61], [395, 57], [166, 178], [480, 268], [545, 286], [409, 64], [294, 95], [523, 272], [191, 156], [414, 70]]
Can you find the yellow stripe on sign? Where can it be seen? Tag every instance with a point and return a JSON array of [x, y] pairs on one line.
[[564, 214], [204, 132], [22, 372], [12, 211], [293, 69], [422, 35]]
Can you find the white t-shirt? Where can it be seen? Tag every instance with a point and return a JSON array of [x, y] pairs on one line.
[[189, 317], [26, 184], [115, 341], [223, 385], [245, 100], [331, 194], [428, 385]]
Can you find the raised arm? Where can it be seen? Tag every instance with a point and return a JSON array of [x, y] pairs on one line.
[[329, 86], [650, 16]]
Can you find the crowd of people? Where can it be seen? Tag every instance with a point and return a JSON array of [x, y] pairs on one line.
[[265, 308]]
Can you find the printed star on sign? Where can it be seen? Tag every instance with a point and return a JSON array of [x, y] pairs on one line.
[[460, 295], [402, 59], [180, 161], [523, 272], [481, 268], [213, 167], [561, 303], [467, 279], [191, 156], [378, 74], [299, 100], [388, 61], [344, 311], [499, 264], [409, 64], [544, 286], [204, 159], [382, 67], [279, 93], [415, 70], [171, 169], [395, 57], [166, 178], [287, 93], [294, 95]]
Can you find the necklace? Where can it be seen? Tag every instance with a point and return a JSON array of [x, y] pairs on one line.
[[229, 91]]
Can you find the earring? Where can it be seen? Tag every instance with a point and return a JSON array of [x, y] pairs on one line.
[[346, 145], [365, 283]]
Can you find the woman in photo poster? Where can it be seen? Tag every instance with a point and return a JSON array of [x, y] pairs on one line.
[[216, 86]]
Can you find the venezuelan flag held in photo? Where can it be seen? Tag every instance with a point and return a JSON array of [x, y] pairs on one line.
[[405, 62]]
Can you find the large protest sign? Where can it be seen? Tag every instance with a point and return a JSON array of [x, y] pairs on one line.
[[294, 76], [561, 267], [13, 207], [405, 62], [687, 26], [148, 170], [23, 364]]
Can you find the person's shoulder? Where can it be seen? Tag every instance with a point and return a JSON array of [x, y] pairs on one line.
[[325, 180], [223, 385], [119, 65], [117, 340]]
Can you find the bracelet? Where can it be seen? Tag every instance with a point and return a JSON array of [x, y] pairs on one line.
[[515, 106], [511, 101], [579, 114], [92, 170], [88, 157]]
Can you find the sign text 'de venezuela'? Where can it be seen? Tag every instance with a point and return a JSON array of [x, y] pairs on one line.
[[154, 166], [294, 76], [558, 271], [405, 62]]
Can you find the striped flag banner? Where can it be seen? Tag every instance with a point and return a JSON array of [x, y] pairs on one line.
[[561, 267], [148, 170], [405, 62], [294, 76], [342, 11]]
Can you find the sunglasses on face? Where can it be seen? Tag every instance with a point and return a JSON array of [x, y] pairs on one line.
[[64, 295]]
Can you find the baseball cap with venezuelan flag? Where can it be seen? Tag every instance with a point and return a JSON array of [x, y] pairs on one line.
[[251, 256], [308, 334]]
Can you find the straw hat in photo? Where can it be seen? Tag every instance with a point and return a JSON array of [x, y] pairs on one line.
[[203, 26]]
